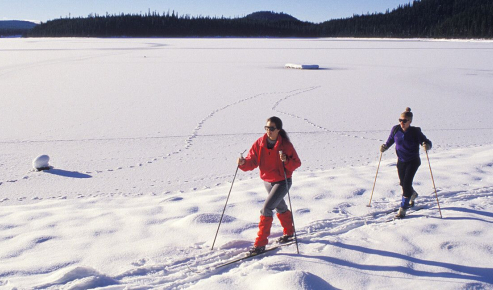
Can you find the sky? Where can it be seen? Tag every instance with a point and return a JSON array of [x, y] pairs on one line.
[[308, 10]]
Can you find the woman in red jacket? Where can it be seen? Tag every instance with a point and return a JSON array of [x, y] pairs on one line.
[[274, 154]]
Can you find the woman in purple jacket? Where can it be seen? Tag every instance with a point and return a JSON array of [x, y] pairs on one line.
[[407, 140]]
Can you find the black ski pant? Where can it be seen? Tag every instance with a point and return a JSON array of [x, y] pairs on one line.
[[406, 171]]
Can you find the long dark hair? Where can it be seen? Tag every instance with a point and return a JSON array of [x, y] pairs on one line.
[[278, 123]]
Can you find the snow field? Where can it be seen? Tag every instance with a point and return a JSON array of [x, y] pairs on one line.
[[143, 135]]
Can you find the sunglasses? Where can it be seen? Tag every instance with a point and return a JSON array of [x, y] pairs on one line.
[[270, 128], [404, 121]]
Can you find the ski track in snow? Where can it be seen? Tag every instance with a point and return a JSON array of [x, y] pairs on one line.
[[320, 127], [190, 265], [193, 264], [196, 132], [189, 139]]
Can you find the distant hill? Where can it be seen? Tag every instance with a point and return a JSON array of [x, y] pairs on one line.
[[270, 16], [16, 24], [15, 27]]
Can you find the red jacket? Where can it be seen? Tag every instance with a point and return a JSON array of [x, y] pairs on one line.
[[268, 160]]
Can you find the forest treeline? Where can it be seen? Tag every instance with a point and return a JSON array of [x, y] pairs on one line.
[[425, 18]]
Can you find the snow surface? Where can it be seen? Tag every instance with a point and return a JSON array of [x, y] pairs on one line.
[[143, 135]]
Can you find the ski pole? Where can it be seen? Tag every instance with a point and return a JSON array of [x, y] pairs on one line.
[[238, 166], [374, 182], [433, 180], [290, 207]]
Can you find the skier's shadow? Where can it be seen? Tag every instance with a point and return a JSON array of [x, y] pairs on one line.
[[480, 274], [468, 210], [66, 173]]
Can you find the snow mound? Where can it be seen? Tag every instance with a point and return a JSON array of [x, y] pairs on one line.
[[236, 244], [212, 218], [293, 280], [204, 218], [82, 278], [41, 162]]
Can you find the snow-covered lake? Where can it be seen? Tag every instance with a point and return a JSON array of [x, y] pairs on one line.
[[143, 135]]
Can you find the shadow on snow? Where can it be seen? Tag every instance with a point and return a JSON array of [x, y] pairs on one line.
[[66, 173], [462, 272]]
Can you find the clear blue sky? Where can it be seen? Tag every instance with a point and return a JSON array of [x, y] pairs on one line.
[[306, 10]]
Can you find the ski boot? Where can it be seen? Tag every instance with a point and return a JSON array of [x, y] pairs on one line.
[[413, 197], [285, 239], [401, 213], [256, 250]]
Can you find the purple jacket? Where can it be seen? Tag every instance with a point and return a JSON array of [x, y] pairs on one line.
[[406, 143]]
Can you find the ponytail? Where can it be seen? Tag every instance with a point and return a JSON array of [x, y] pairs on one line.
[[284, 135]]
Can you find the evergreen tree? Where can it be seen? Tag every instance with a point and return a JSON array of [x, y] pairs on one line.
[[425, 18]]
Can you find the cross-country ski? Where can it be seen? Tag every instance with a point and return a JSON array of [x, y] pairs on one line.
[[248, 255]]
